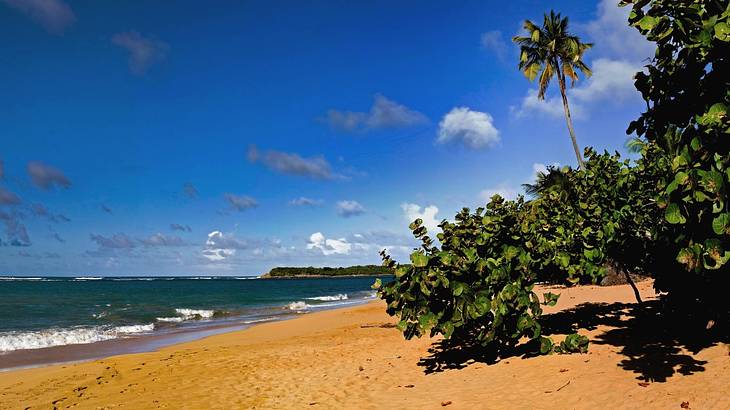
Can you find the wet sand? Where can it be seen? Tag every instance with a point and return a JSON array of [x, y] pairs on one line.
[[353, 358]]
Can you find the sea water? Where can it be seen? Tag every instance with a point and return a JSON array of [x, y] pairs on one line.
[[46, 312]]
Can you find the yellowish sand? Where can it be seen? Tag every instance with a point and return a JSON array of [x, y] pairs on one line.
[[345, 359]]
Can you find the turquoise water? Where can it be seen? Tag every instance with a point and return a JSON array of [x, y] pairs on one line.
[[51, 311]]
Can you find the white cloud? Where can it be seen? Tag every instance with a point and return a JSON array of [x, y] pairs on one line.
[[504, 190], [329, 246], [54, 15], [384, 113], [220, 246], [347, 209], [614, 37], [411, 212], [474, 129], [549, 107], [143, 51], [494, 42], [612, 82], [304, 201]]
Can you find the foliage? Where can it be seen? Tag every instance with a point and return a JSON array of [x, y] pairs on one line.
[[479, 285], [370, 270], [687, 90], [551, 51], [573, 343]]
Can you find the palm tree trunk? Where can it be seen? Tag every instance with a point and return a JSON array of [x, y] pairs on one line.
[[568, 119]]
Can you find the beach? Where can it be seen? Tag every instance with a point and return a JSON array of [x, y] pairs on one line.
[[353, 358]]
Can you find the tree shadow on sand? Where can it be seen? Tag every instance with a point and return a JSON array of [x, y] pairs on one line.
[[655, 345]]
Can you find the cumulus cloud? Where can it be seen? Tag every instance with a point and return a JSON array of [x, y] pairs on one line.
[[15, 232], [304, 201], [8, 198], [54, 15], [180, 227], [220, 246], [614, 37], [494, 42], [143, 51], [329, 246], [474, 129], [190, 191], [240, 203], [612, 81], [46, 177], [411, 212], [384, 113], [116, 241], [160, 240], [293, 164], [549, 107], [347, 209]]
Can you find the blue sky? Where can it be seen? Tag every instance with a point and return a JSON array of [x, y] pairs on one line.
[[141, 138]]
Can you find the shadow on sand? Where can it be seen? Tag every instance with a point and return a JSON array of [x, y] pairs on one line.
[[655, 346]]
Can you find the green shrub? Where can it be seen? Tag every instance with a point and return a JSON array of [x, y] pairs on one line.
[[478, 285], [687, 90]]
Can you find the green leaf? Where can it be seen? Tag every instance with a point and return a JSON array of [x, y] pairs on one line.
[[722, 31], [647, 23], [377, 285], [546, 345], [673, 215], [721, 224], [550, 299], [457, 288], [531, 71], [419, 260]]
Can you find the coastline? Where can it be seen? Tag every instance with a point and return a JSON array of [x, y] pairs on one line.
[[352, 358]]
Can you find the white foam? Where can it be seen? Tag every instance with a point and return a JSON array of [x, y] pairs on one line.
[[11, 341], [341, 296], [174, 319], [88, 278], [187, 314], [298, 306]]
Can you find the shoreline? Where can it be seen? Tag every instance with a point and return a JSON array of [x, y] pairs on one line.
[[142, 343], [353, 358]]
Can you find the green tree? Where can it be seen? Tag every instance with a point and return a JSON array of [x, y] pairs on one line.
[[551, 51]]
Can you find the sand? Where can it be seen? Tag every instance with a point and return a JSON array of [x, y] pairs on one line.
[[350, 358]]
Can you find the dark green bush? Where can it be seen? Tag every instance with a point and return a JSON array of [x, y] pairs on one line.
[[687, 90], [478, 285]]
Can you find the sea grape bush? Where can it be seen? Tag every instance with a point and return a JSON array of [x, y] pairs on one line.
[[666, 214], [687, 90], [478, 286]]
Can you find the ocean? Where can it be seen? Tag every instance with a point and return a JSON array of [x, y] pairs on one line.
[[41, 313]]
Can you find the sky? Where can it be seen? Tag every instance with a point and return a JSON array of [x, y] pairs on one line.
[[142, 138]]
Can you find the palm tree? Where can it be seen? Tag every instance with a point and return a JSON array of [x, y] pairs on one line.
[[552, 51], [552, 179]]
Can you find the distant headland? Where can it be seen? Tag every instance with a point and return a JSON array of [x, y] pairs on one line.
[[326, 272]]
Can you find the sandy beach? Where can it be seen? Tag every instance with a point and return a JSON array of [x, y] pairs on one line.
[[353, 358]]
